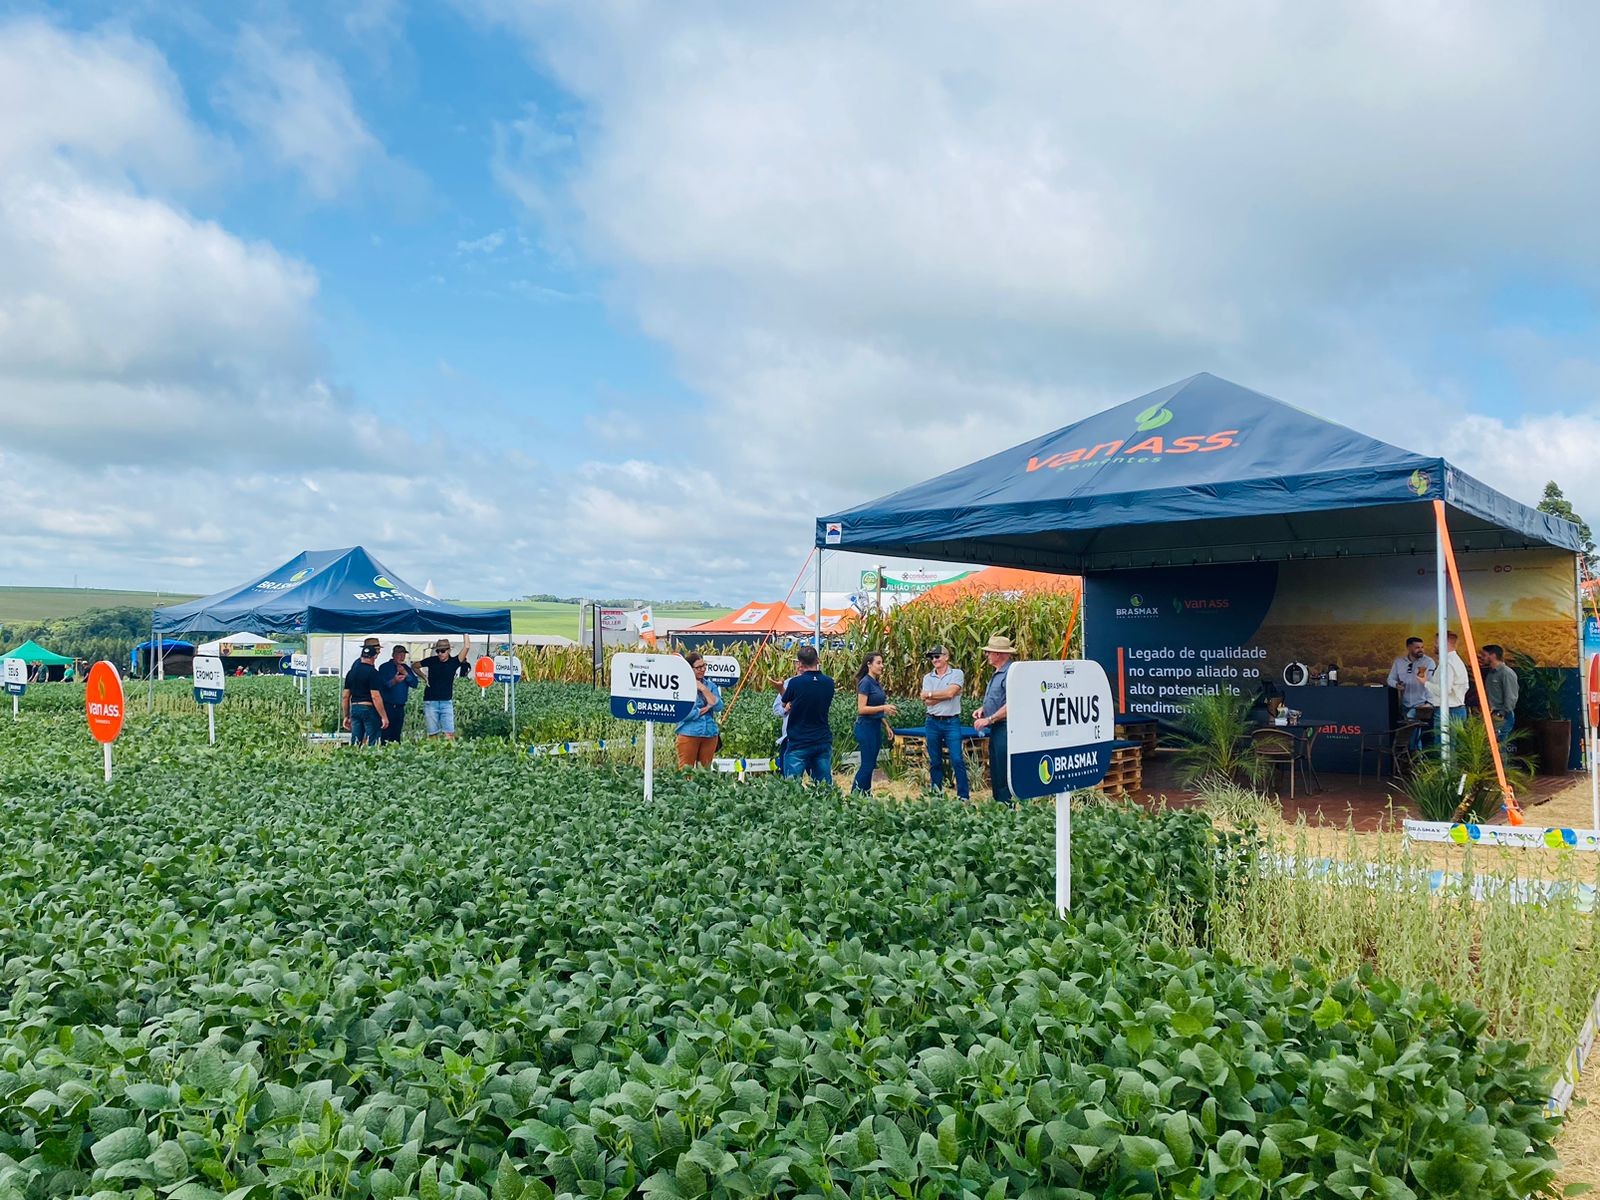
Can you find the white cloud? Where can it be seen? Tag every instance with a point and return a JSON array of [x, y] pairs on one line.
[[487, 244], [297, 103], [884, 242]]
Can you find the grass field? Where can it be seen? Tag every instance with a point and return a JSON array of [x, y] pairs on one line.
[[21, 605]]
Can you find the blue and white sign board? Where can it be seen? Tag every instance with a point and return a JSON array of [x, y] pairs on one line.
[[1061, 724], [209, 678], [16, 676], [300, 664], [507, 669], [651, 687], [722, 670]]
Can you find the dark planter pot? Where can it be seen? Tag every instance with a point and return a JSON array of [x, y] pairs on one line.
[[1554, 740]]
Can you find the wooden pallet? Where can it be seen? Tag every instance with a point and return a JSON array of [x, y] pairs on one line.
[[1143, 732], [1126, 773], [913, 752]]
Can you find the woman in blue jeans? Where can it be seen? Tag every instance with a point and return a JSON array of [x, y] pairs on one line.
[[872, 705]]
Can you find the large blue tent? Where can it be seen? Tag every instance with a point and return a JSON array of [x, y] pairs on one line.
[[328, 591], [1201, 471]]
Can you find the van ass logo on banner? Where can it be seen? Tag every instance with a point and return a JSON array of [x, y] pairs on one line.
[[1126, 449]]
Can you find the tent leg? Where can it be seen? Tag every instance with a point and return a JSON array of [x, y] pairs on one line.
[[1444, 646], [516, 663], [819, 600], [150, 697], [338, 704]]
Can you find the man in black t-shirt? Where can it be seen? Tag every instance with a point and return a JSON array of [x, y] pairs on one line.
[[364, 715], [808, 745], [439, 697]]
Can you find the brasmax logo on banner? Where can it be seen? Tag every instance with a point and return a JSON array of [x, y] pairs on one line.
[[651, 687], [1061, 723]]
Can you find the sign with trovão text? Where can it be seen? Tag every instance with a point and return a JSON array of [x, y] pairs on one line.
[[651, 687], [300, 664], [1061, 724], [722, 670]]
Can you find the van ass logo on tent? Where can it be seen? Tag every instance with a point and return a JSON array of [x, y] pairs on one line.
[[1151, 448]]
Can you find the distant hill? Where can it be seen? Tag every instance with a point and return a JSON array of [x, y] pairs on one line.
[[27, 605]]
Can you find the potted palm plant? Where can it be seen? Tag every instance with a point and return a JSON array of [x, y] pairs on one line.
[[1214, 741], [1539, 710]]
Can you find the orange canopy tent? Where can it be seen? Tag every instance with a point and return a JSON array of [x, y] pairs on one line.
[[758, 617], [1009, 582]]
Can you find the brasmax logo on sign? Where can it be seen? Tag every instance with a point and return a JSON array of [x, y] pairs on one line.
[[651, 687], [1061, 725]]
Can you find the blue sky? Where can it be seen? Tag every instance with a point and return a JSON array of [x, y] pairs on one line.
[[614, 299]]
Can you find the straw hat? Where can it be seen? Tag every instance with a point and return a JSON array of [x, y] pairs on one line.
[[442, 644], [998, 643]]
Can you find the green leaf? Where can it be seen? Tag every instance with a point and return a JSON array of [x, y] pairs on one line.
[[1327, 1014], [123, 1145], [1144, 1153], [1269, 1161]]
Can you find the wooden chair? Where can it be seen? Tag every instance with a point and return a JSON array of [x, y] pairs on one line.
[[1305, 746], [1403, 750], [1277, 748]]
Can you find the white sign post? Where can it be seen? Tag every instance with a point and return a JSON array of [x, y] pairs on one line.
[[16, 679], [651, 688], [1061, 725], [723, 670], [209, 680]]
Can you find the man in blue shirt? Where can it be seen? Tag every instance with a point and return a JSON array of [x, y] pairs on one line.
[[808, 744], [992, 716], [395, 681]]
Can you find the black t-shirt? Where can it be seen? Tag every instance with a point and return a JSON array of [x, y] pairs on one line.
[[808, 696], [442, 674], [361, 680]]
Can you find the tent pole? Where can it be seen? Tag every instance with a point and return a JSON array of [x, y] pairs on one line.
[[819, 601], [150, 699], [516, 664], [311, 671], [338, 691], [1443, 667]]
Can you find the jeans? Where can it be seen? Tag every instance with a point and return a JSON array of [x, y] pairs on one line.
[[440, 717], [365, 725], [999, 779], [1502, 727], [945, 733], [869, 736], [815, 761], [397, 723]]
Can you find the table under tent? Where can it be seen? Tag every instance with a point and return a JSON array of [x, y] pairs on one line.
[[344, 592]]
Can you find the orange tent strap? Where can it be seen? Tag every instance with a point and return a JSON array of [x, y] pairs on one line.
[[1513, 813]]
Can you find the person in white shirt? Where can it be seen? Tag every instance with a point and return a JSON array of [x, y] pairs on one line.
[[1458, 681], [941, 692]]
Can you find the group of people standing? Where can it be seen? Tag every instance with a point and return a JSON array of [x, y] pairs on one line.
[[1415, 680], [803, 703], [374, 698]]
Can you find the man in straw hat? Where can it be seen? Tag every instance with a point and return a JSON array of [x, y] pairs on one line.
[[991, 718], [364, 715], [439, 697]]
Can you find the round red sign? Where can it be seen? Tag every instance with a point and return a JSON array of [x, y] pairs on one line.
[[483, 672], [103, 703]]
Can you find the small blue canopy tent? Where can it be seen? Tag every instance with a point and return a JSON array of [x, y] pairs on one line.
[[1201, 471], [328, 591]]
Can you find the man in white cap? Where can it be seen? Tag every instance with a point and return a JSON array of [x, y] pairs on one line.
[[439, 697], [991, 717]]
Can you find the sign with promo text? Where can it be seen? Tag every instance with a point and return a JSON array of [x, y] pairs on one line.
[[483, 671], [507, 669], [16, 676], [1061, 724], [103, 703], [209, 678], [651, 687], [300, 664], [722, 670]]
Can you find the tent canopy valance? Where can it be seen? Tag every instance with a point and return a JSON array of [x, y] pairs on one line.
[[34, 653], [328, 591], [1200, 471]]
